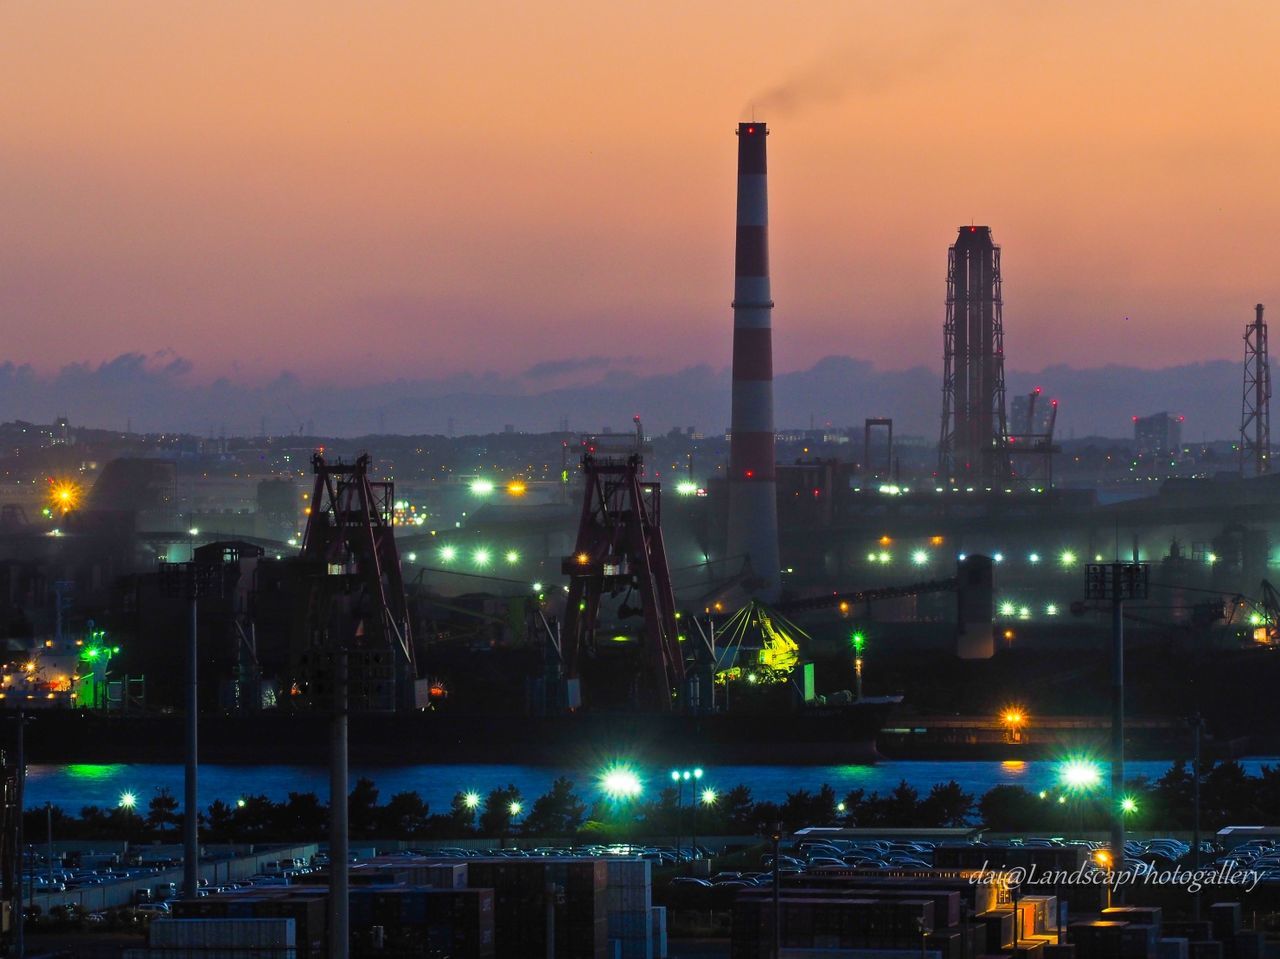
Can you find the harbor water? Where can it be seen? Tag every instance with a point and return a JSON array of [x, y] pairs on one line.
[[74, 786]]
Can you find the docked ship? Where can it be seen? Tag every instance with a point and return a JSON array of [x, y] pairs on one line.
[[829, 734]]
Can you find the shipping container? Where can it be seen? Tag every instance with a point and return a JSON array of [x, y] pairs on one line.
[[1204, 950], [1029, 949], [271, 936], [659, 932], [1225, 917]]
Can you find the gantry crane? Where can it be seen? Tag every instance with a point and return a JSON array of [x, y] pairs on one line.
[[619, 548], [357, 597]]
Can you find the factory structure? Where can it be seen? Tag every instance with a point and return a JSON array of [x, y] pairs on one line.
[[610, 583], [779, 606], [782, 605], [974, 440]]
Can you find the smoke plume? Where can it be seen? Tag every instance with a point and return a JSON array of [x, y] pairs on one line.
[[865, 69]]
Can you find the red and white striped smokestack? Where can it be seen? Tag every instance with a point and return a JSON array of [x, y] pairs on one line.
[[753, 502]]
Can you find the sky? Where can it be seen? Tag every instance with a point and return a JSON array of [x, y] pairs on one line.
[[404, 190]]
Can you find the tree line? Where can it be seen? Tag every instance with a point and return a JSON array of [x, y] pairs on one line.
[[1229, 795]]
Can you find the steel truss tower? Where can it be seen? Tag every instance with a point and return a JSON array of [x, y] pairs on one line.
[[974, 440], [356, 602], [1255, 406], [619, 548]]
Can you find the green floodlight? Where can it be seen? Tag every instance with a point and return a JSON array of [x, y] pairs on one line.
[[1080, 774], [620, 782]]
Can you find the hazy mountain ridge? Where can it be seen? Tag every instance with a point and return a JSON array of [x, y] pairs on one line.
[[160, 393]]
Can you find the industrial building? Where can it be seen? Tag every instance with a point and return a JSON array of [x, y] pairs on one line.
[[1158, 434]]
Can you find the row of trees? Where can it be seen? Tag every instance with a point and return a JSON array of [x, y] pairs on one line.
[[1228, 795]]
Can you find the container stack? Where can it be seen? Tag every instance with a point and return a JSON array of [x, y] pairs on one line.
[[453, 922], [977, 893], [939, 914], [305, 908], [404, 871], [1136, 936], [567, 908], [552, 907], [1044, 859], [219, 939], [1097, 939], [629, 906], [809, 922], [1140, 932]]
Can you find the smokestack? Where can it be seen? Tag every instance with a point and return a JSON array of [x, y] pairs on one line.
[[753, 498]]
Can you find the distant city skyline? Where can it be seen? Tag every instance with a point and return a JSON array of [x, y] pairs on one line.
[[426, 191]]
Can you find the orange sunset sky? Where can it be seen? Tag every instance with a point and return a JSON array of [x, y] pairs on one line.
[[437, 187]]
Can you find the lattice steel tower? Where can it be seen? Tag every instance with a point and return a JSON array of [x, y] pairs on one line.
[[974, 440], [1255, 406]]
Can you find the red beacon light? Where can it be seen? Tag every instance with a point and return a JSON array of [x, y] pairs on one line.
[[750, 473]]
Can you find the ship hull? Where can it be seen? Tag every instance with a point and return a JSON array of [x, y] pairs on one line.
[[834, 736]]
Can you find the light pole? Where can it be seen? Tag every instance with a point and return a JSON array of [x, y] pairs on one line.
[[1117, 582], [48, 826], [675, 778], [1197, 722], [859, 640], [620, 784], [191, 581], [19, 790], [1107, 861], [1078, 775], [1013, 720], [339, 820], [680, 777], [693, 818], [777, 890]]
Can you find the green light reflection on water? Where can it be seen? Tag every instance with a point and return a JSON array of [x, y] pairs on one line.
[[855, 772], [93, 771]]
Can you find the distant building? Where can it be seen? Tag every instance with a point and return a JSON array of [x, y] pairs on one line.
[[1157, 433], [61, 434], [278, 509]]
